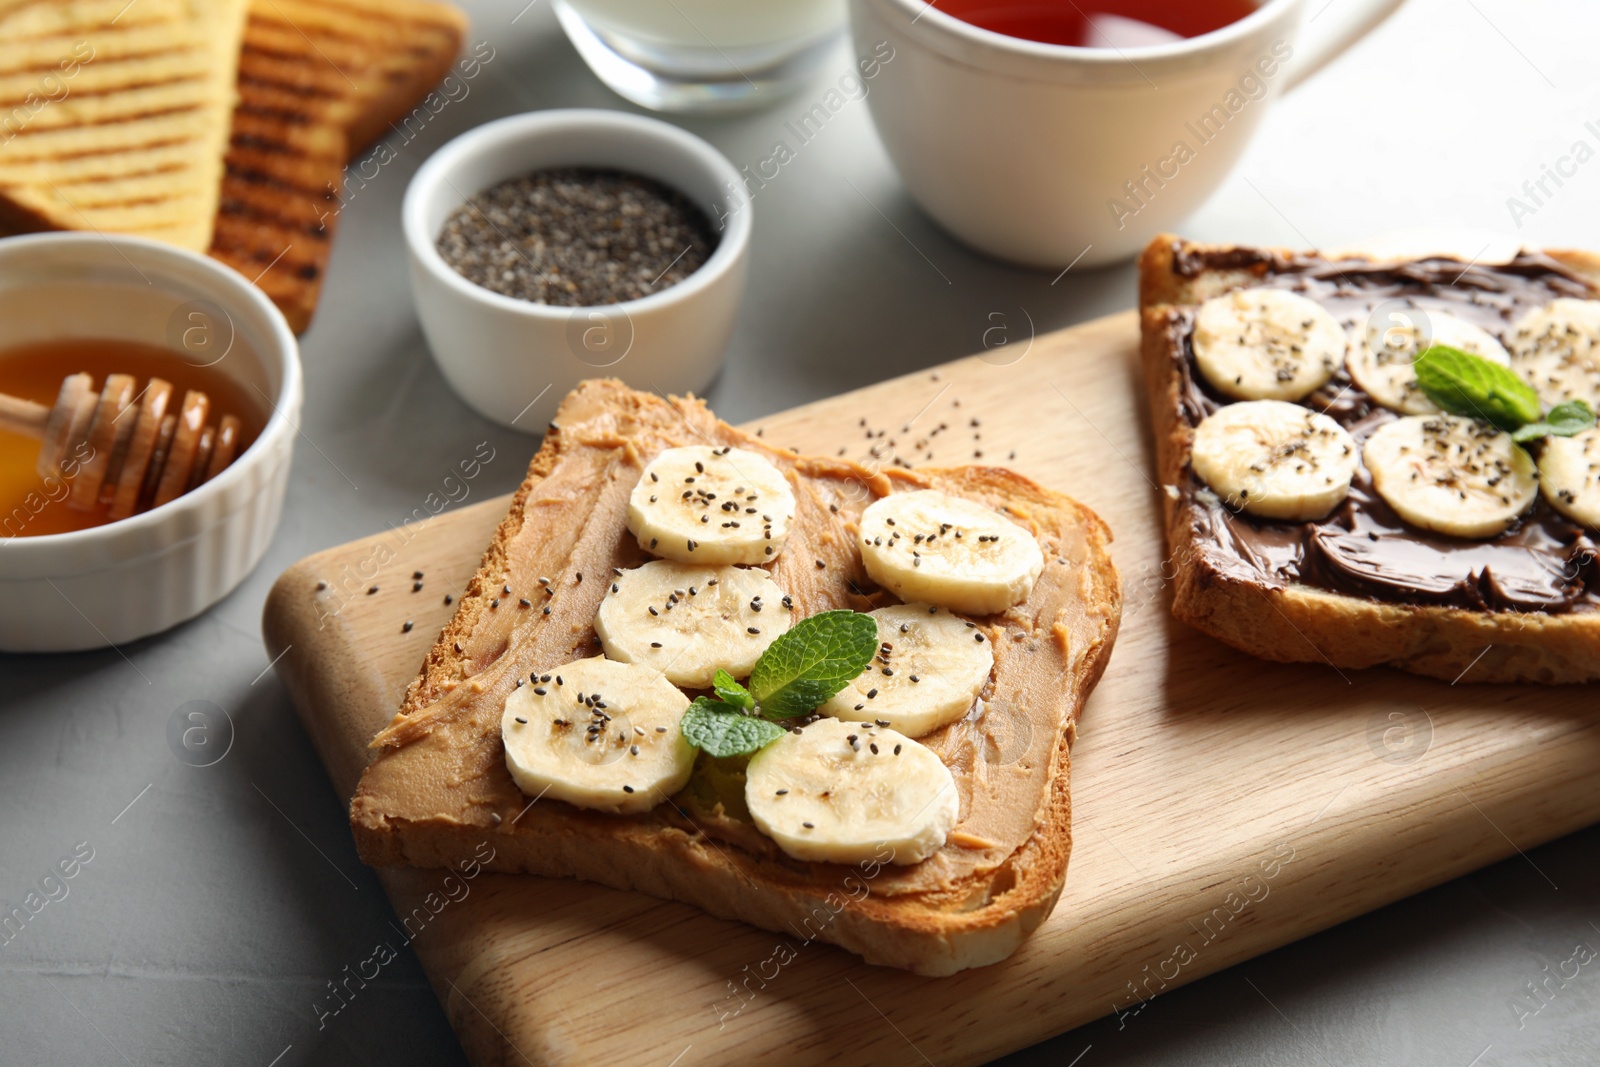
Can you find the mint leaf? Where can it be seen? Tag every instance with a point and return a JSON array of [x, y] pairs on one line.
[[731, 692], [1573, 417], [813, 661], [1468, 385], [723, 730], [1563, 420]]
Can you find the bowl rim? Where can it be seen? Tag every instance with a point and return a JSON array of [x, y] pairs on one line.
[[535, 125], [284, 353]]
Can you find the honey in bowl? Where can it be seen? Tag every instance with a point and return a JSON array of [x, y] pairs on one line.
[[32, 505], [1100, 23]]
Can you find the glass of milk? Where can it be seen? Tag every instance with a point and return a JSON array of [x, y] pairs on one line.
[[702, 55]]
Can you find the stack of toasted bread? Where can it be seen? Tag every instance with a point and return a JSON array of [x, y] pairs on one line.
[[216, 125]]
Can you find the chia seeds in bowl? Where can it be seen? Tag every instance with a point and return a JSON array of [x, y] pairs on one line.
[[577, 237]]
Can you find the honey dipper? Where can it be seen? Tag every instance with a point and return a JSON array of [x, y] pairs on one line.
[[139, 454]]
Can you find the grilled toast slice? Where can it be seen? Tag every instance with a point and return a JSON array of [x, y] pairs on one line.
[[391, 51], [316, 82], [439, 782], [113, 116]]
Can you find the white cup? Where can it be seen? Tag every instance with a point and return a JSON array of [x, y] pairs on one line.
[[513, 360], [1046, 154]]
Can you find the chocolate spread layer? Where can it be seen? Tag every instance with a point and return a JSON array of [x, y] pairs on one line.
[[1544, 562]]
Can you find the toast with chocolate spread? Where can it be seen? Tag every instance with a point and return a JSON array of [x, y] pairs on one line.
[[440, 779], [1383, 529]]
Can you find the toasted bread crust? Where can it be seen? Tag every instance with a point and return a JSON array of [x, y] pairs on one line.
[[978, 921], [1295, 623], [318, 82]]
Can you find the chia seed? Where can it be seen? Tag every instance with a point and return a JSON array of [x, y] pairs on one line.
[[577, 237]]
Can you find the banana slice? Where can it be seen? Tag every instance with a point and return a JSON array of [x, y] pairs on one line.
[[1569, 476], [946, 550], [1266, 344], [686, 621], [1556, 349], [1275, 459], [598, 735], [1381, 362], [930, 667], [711, 505], [839, 792], [1451, 475]]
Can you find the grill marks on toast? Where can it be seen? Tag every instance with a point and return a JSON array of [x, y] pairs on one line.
[[120, 117], [285, 164], [113, 117], [312, 77]]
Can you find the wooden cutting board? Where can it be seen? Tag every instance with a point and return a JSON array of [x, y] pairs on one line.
[[1222, 806]]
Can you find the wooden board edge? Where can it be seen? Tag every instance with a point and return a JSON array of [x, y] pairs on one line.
[[293, 609]]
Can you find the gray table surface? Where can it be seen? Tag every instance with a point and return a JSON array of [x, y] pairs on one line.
[[220, 901]]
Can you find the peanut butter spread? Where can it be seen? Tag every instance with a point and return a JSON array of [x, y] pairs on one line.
[[441, 763]]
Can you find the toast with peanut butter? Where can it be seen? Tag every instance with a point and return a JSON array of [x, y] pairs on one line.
[[1329, 500], [564, 560]]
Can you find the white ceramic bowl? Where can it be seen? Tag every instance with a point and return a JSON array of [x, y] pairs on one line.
[[111, 584], [513, 360]]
